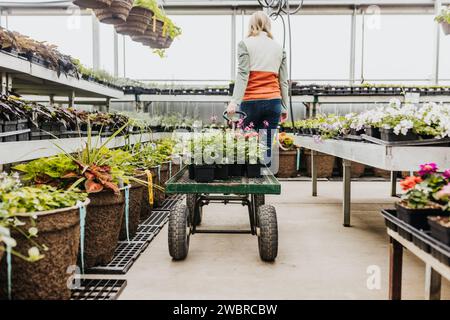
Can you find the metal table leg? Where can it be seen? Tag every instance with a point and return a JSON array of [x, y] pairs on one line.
[[346, 204], [393, 183], [395, 269], [314, 173], [432, 284]]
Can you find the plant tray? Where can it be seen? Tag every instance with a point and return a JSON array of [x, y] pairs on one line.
[[124, 257], [157, 219], [421, 239], [99, 289], [425, 142]]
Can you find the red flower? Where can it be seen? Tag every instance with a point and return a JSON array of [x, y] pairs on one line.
[[410, 182]]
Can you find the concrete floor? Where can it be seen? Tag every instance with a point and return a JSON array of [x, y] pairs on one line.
[[318, 258]]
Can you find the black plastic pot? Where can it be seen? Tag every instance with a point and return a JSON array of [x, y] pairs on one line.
[[438, 231], [236, 170], [23, 125], [10, 126], [191, 170], [204, 173], [373, 132], [254, 170], [417, 218], [221, 172], [389, 135]]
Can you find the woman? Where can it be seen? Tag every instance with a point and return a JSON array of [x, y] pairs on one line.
[[261, 88]]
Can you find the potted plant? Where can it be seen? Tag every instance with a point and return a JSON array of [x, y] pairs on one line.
[[287, 167], [440, 228], [43, 219], [419, 201], [93, 4], [138, 19], [444, 20], [116, 13]]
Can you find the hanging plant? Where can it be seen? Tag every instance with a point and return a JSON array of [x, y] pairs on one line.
[[93, 4], [138, 19], [444, 20], [115, 14]]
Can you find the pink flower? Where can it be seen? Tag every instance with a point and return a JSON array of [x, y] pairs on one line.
[[213, 119], [427, 168], [446, 174], [251, 134], [445, 192], [266, 124], [240, 123], [251, 125]]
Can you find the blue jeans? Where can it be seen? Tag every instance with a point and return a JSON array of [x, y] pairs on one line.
[[259, 111]]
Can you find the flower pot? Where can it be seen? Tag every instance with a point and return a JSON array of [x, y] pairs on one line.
[[236, 170], [417, 218], [324, 164], [381, 173], [146, 207], [47, 278], [287, 164], [254, 170], [134, 213], [160, 195], [116, 14], [438, 231], [103, 221], [176, 165], [221, 172], [373, 132], [150, 35], [138, 20], [390, 136], [357, 169], [191, 171], [93, 4], [445, 27], [204, 173]]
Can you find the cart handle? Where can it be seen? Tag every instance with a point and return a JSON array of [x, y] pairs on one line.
[[242, 115]]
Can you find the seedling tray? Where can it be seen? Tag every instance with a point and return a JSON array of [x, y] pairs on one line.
[[421, 239], [180, 183], [98, 289], [425, 142]]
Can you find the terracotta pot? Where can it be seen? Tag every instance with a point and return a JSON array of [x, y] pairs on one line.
[[103, 222], [134, 214], [287, 164], [47, 278], [116, 14], [325, 164], [93, 4], [138, 20], [150, 35], [357, 169], [381, 173], [146, 207]]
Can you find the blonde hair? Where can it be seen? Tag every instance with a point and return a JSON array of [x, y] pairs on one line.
[[259, 22]]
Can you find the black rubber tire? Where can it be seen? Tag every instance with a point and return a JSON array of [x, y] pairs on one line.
[[178, 234], [260, 200], [190, 202], [268, 233]]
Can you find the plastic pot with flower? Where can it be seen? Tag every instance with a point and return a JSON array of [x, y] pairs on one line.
[[44, 225], [444, 19], [422, 197]]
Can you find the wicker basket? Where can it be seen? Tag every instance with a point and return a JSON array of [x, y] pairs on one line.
[[137, 22], [93, 4], [116, 14], [324, 162], [357, 169], [288, 164]]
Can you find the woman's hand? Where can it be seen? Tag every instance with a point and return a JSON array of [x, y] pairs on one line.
[[231, 109], [284, 116]]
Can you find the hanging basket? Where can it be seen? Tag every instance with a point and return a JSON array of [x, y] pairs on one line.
[[116, 14], [93, 4], [137, 22], [151, 33], [445, 28]]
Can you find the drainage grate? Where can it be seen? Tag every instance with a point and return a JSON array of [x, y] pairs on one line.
[[142, 237], [169, 204], [149, 229], [124, 257], [98, 289], [157, 218]]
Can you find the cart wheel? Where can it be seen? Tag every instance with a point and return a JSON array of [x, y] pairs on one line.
[[268, 233], [259, 200], [179, 223], [190, 201]]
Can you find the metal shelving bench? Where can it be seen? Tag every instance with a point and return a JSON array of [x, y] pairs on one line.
[[386, 157], [250, 192]]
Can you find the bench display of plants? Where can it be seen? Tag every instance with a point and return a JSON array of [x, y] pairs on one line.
[[426, 195], [394, 123]]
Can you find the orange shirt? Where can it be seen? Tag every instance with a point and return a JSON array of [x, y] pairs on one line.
[[262, 85]]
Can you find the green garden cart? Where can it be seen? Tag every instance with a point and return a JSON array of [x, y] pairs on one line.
[[185, 219]]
